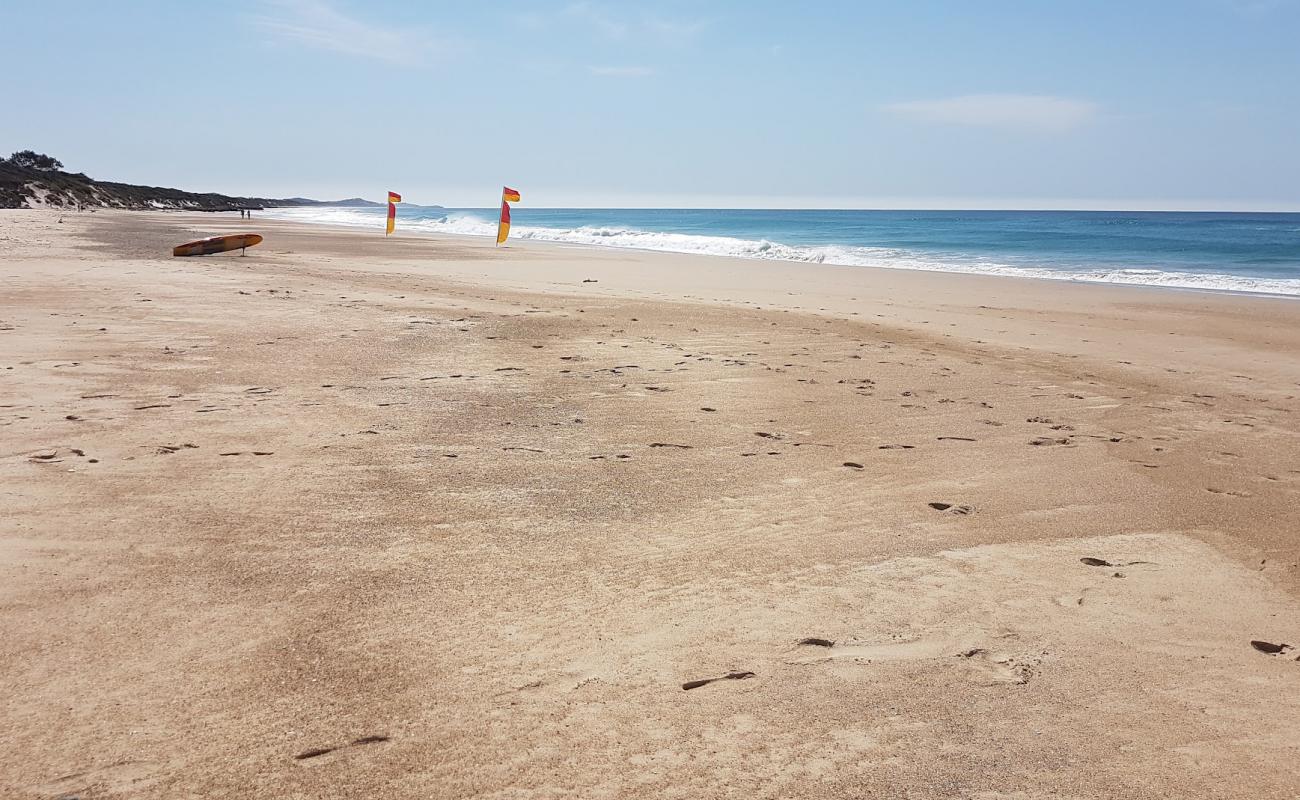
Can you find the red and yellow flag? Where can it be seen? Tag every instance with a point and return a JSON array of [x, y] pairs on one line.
[[508, 196], [393, 199]]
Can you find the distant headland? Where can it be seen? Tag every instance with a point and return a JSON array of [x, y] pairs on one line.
[[34, 180]]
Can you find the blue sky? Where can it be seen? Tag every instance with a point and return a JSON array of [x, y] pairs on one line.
[[924, 104]]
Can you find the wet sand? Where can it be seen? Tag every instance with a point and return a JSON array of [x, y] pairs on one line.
[[423, 518]]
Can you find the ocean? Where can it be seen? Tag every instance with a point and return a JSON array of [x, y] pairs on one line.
[[1236, 252]]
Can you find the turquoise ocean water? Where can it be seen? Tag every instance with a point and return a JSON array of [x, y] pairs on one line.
[[1243, 252]]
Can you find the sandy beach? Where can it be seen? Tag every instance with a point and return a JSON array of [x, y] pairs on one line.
[[420, 517]]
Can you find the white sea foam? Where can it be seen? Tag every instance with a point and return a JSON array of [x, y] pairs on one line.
[[465, 223]]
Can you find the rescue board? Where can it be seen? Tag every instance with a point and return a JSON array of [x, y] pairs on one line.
[[217, 244]]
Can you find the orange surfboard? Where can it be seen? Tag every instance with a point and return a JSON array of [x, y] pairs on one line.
[[217, 244]]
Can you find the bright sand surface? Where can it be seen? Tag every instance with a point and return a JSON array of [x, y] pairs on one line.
[[417, 517]]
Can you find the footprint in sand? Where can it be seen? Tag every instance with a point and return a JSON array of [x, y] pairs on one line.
[[1101, 562], [814, 641], [1227, 492], [321, 751], [997, 669], [950, 508], [168, 449], [1269, 648], [730, 676]]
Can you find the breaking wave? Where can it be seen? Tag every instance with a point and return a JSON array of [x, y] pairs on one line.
[[468, 223]]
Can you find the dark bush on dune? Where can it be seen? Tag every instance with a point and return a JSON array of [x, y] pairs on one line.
[[30, 159]]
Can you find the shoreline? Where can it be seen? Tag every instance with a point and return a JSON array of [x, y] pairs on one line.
[[1001, 270], [845, 292]]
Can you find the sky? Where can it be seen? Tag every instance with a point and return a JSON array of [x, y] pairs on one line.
[[1188, 104]]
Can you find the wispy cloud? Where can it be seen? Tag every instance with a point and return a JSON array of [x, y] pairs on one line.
[[1016, 111], [321, 25], [622, 72], [616, 26]]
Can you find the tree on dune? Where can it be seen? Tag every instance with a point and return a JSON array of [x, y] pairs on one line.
[[30, 159]]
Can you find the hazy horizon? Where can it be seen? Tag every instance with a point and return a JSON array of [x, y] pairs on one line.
[[1138, 209]]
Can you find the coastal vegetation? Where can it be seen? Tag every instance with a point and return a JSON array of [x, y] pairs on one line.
[[31, 180]]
